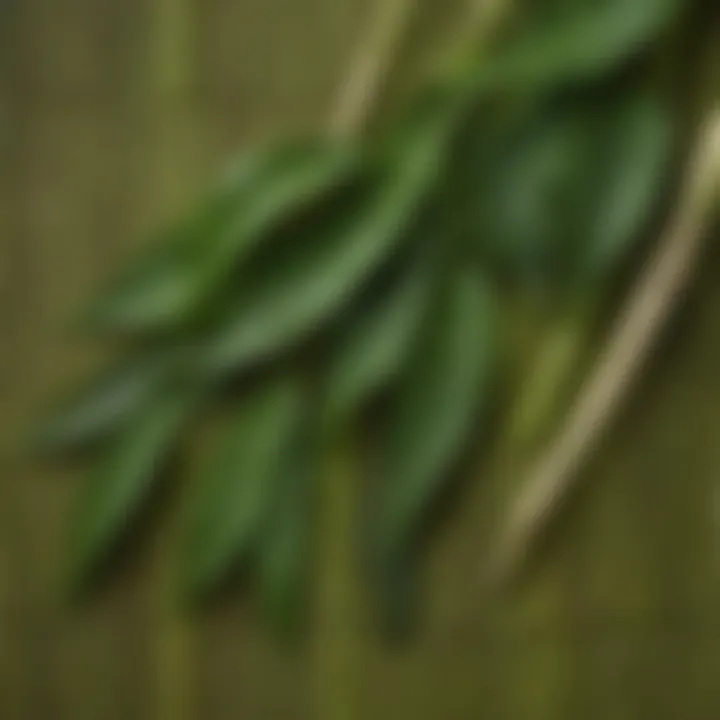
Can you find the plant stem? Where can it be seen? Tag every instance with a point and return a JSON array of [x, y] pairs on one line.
[[338, 648], [370, 68], [173, 138], [630, 344], [486, 17]]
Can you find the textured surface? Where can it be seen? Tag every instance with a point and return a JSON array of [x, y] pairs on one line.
[[619, 618]]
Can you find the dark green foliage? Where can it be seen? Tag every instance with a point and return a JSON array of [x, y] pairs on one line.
[[373, 345], [240, 482], [334, 256], [105, 402], [633, 157], [284, 562], [433, 413], [124, 479], [186, 265], [576, 43], [375, 260], [571, 184]]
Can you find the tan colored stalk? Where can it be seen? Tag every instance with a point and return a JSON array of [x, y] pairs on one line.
[[631, 341]]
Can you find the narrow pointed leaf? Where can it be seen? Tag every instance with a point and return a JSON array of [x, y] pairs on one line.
[[434, 414], [240, 482], [188, 264], [285, 553], [96, 409], [396, 584], [637, 157], [331, 261], [372, 350], [584, 42], [564, 195], [535, 182], [124, 478], [159, 287]]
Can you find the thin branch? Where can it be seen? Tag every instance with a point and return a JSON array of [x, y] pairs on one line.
[[376, 55], [651, 303], [369, 69]]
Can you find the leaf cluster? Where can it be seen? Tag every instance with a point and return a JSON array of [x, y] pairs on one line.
[[323, 277]]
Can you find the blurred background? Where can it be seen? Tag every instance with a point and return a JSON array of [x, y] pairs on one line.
[[113, 115]]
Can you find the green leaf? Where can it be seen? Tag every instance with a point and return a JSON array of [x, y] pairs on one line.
[[561, 196], [101, 405], [189, 263], [123, 480], [396, 579], [372, 349], [434, 414], [631, 171], [535, 181], [337, 252], [285, 552], [583, 43], [240, 483]]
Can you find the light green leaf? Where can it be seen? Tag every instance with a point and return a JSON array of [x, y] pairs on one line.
[[374, 346], [240, 482], [102, 404], [123, 480], [581, 44], [434, 414], [189, 263], [331, 260]]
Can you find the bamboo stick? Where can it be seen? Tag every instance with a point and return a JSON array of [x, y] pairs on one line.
[[167, 108], [665, 278]]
